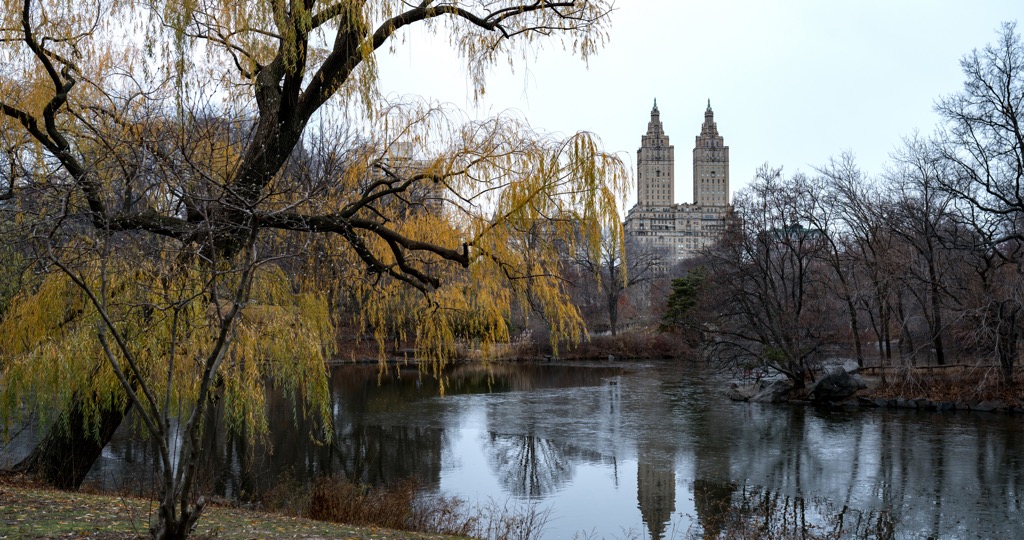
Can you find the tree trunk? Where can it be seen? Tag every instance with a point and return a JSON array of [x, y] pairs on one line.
[[173, 527], [855, 329], [907, 345], [886, 329], [799, 379], [64, 456], [613, 314], [936, 319], [1007, 341]]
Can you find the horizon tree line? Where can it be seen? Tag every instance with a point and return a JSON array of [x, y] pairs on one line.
[[920, 265]]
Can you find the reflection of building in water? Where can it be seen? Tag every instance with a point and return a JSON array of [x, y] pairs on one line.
[[712, 485], [655, 492]]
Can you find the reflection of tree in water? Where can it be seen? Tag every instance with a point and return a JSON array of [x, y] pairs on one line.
[[529, 466], [713, 501], [359, 451], [713, 446], [762, 513], [363, 449], [367, 452], [374, 454]]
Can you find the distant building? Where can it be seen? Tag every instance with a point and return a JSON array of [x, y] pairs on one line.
[[681, 230], [401, 164]]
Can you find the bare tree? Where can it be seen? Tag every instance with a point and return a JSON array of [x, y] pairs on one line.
[[612, 270], [830, 212], [924, 213], [768, 281], [982, 140], [862, 211]]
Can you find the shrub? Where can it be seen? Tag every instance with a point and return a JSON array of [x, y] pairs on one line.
[[404, 506]]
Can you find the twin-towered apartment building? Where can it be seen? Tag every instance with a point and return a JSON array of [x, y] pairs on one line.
[[657, 222]]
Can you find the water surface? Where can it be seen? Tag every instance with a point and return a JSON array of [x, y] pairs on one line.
[[649, 450]]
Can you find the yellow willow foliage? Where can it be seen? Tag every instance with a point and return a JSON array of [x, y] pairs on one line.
[[50, 352], [285, 339], [520, 201], [85, 42], [517, 200], [191, 45]]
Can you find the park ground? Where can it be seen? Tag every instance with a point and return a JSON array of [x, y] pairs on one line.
[[30, 512]]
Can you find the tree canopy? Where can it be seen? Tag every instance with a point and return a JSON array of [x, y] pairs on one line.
[[192, 179]]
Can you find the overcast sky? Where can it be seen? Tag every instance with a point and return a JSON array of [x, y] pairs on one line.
[[792, 82]]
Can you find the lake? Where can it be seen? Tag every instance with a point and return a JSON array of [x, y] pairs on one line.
[[634, 450]]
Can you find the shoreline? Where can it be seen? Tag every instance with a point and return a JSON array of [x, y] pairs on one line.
[[924, 388]]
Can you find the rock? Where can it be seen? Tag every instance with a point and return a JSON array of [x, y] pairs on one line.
[[851, 367], [924, 404], [990, 405], [835, 385], [884, 403], [906, 403], [743, 393], [947, 406], [774, 392], [867, 402]]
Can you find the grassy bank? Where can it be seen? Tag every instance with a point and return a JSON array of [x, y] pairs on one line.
[[31, 512], [955, 383], [946, 388]]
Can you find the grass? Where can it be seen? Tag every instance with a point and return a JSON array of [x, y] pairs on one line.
[[952, 384], [31, 512]]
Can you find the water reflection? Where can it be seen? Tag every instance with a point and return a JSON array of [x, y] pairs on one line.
[[655, 451], [527, 465]]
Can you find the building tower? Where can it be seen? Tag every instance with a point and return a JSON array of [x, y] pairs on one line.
[[710, 165], [655, 165], [659, 225]]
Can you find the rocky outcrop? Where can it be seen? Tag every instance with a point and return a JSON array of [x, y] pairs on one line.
[[775, 391], [836, 385], [943, 406], [743, 393]]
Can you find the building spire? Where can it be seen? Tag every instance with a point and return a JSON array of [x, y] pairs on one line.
[[655, 109]]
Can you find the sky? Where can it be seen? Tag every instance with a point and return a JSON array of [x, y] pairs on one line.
[[792, 82]]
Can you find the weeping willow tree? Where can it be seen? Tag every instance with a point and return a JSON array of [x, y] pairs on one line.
[[175, 163]]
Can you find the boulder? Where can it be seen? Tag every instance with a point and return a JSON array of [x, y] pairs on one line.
[[906, 403], [989, 406], [743, 393], [775, 391], [868, 402], [835, 385], [851, 367]]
